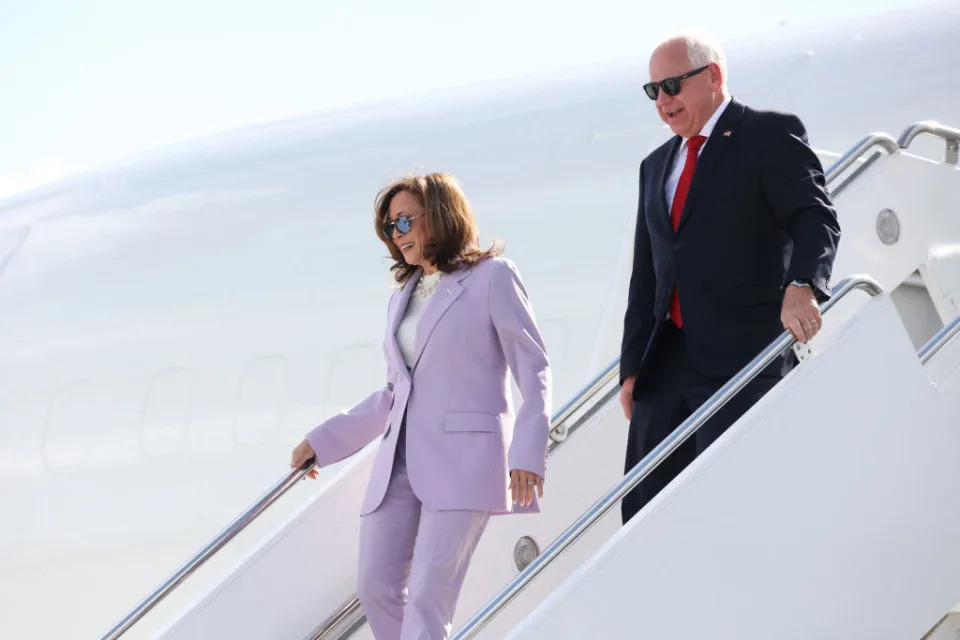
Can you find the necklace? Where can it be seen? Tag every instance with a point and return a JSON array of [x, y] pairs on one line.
[[426, 285]]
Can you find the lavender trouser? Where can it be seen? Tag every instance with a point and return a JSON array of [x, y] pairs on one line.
[[413, 560]]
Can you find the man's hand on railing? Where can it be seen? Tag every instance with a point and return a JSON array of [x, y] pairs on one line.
[[800, 314], [302, 454]]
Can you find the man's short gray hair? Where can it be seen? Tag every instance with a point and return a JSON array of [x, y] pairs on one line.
[[702, 50]]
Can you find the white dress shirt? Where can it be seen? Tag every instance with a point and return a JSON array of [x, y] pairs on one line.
[[407, 331], [674, 178]]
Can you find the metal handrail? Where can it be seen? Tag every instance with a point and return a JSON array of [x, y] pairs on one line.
[[950, 135], [882, 140], [348, 611], [559, 431], [940, 340], [348, 615], [225, 536], [652, 460]]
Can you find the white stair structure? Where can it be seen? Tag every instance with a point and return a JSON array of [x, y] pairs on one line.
[[946, 629], [845, 515], [829, 498], [843, 507]]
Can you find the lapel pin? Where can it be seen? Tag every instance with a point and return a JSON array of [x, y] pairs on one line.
[[448, 292], [727, 133]]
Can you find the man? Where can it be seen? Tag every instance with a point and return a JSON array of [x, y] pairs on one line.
[[735, 240]]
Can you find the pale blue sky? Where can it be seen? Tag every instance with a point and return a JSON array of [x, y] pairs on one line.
[[87, 82]]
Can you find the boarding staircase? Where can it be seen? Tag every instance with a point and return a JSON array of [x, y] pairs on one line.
[[825, 512]]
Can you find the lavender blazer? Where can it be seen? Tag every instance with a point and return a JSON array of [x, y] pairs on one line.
[[462, 437]]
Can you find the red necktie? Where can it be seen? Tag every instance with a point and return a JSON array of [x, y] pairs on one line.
[[679, 198]]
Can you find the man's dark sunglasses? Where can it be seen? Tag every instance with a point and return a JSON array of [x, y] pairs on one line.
[[403, 224], [670, 86]]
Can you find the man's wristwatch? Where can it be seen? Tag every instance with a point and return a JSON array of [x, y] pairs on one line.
[[802, 283]]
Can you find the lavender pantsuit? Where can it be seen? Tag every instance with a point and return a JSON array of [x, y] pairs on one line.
[[429, 497]]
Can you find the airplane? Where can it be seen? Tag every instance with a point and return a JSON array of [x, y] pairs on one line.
[[174, 323]]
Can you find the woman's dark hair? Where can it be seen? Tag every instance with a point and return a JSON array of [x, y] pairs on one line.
[[455, 239]]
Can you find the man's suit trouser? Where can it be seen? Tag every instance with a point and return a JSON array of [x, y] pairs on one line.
[[673, 389], [413, 560]]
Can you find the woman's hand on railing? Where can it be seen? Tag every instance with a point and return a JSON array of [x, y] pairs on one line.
[[302, 454]]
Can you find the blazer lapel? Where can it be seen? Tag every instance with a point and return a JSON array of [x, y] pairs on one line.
[[448, 290], [397, 309], [721, 138]]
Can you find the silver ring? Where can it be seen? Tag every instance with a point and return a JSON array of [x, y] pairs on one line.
[[531, 482]]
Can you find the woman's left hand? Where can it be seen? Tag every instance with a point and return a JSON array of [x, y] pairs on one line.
[[522, 484]]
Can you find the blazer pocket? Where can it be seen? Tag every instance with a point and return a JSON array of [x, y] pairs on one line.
[[471, 421]]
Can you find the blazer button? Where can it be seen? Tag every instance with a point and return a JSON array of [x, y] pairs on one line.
[[676, 245]]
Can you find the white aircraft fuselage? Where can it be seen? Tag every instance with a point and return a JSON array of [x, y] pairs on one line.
[[172, 325]]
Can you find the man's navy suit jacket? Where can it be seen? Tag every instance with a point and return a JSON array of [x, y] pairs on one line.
[[757, 217]]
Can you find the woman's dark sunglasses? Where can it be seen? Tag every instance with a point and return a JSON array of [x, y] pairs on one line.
[[403, 224], [670, 86]]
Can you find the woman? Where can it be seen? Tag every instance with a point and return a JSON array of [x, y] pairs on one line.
[[452, 453]]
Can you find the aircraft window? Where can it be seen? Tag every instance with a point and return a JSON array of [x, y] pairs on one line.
[[356, 370], [73, 413], [165, 412], [262, 398]]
